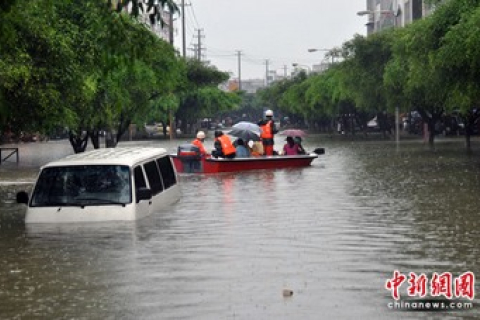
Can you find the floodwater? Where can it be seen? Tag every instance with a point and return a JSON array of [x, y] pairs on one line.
[[333, 233]]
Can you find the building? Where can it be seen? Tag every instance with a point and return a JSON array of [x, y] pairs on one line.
[[161, 29], [384, 14], [252, 85]]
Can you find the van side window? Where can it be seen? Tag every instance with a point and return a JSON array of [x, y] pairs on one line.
[[139, 178], [168, 173], [153, 176]]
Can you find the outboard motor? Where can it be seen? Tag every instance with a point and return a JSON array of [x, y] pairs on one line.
[[190, 156]]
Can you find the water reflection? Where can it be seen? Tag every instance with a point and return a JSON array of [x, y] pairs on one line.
[[333, 233]]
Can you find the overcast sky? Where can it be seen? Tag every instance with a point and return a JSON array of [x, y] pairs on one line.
[[278, 30]]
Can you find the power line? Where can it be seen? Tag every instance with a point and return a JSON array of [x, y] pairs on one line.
[[194, 16], [239, 54]]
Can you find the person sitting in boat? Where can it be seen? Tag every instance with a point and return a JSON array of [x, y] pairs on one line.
[[223, 146], [241, 149], [290, 148], [298, 142], [255, 148], [198, 142]]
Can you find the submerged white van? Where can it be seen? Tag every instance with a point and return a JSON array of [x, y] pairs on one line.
[[111, 184]]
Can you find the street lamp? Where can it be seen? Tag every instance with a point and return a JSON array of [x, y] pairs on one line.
[[332, 52], [315, 50], [373, 13]]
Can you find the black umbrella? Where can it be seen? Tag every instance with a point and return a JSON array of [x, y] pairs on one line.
[[246, 135]]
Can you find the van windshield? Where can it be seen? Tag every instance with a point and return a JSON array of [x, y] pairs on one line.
[[83, 186]]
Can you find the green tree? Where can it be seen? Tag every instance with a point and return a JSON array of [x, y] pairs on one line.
[[328, 98], [458, 62], [40, 76], [199, 93], [424, 83]]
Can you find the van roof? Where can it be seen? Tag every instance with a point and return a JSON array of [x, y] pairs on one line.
[[116, 156]]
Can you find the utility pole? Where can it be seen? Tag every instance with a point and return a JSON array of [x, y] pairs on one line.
[[239, 54], [198, 47], [170, 38], [266, 72], [183, 30], [195, 51], [170, 27]]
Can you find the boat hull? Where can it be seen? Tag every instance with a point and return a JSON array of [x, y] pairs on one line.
[[214, 165]]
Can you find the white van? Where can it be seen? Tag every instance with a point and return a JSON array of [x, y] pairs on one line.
[[111, 184]]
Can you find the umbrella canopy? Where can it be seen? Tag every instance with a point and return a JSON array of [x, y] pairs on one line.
[[293, 133], [244, 134], [249, 126]]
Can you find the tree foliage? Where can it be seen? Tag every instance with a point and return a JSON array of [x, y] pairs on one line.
[[86, 67], [199, 94], [431, 66]]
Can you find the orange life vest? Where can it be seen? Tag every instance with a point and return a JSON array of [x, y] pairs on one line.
[[200, 146], [227, 146], [267, 132]]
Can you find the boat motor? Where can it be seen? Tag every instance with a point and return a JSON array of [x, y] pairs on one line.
[[190, 157]]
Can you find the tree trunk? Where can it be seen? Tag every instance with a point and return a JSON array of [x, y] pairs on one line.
[[164, 126], [431, 132], [183, 127], [95, 138], [121, 129], [469, 121], [110, 139], [468, 143], [352, 124], [78, 142]]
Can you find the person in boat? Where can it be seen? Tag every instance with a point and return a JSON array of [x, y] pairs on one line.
[[198, 142], [255, 148], [298, 142], [269, 130], [290, 148], [241, 150], [223, 146]]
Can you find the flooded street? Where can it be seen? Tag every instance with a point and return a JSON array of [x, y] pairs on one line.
[[333, 233]]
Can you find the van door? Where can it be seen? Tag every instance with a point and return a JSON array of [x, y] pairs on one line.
[[155, 182], [167, 171], [142, 208]]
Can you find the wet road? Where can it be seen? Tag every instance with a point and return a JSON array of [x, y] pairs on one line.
[[333, 233]]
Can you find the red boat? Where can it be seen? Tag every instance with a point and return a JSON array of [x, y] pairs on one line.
[[216, 165]]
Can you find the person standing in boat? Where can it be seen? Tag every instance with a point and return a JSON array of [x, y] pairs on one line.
[[223, 146], [269, 129], [198, 142]]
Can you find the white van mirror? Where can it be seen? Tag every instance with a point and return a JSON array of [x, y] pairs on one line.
[[22, 197]]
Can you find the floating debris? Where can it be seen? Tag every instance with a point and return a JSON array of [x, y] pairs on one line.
[[287, 293]]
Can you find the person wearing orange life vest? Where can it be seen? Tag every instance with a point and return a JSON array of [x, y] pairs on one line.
[[198, 142], [224, 147], [268, 131]]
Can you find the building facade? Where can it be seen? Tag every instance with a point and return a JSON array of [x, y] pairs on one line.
[[384, 14], [162, 29]]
